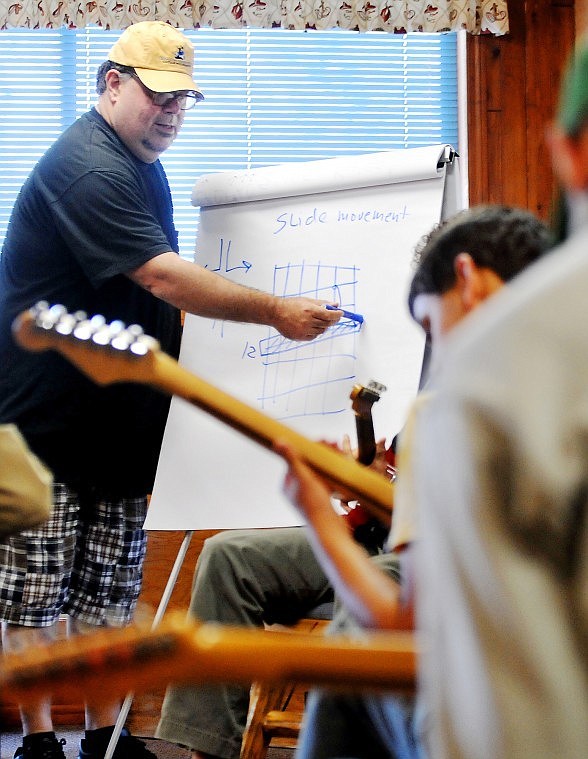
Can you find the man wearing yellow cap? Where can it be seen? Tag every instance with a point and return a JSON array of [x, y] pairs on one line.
[[92, 229]]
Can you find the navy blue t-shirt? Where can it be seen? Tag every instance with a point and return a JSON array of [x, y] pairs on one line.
[[89, 212]]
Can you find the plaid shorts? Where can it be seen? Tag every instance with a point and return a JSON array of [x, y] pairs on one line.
[[87, 563]]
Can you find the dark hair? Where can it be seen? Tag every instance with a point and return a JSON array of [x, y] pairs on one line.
[[104, 69], [499, 238]]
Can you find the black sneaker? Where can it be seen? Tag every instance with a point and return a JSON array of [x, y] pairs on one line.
[[128, 747], [48, 748]]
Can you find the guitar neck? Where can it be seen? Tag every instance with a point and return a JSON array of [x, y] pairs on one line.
[[363, 398], [366, 441], [373, 490], [110, 353], [114, 661]]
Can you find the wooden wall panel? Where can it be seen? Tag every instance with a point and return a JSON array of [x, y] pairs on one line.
[[581, 11], [543, 84], [513, 83]]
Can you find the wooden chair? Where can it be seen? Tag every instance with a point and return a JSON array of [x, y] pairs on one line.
[[276, 709]]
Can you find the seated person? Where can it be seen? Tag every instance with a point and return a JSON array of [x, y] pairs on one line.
[[460, 265], [247, 577]]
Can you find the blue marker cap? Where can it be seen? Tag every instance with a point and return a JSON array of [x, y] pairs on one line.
[[348, 314]]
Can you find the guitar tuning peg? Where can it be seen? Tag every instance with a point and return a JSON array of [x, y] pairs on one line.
[[143, 345], [57, 310], [116, 327], [101, 336], [377, 386], [39, 307], [46, 317], [66, 324], [83, 330], [107, 333], [122, 341], [92, 329], [97, 321]]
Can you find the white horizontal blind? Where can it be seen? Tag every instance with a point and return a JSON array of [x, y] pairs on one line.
[[272, 96], [32, 105]]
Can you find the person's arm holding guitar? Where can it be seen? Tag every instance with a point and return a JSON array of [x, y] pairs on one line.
[[372, 596]]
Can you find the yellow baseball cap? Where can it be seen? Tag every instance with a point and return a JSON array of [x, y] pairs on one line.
[[163, 57]]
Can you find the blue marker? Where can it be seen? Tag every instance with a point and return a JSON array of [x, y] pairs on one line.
[[348, 314]]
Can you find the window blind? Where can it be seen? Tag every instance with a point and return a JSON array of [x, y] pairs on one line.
[[272, 96]]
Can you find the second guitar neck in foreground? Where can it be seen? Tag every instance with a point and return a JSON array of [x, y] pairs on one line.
[[111, 662]]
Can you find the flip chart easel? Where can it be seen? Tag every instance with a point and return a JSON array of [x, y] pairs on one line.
[[341, 229]]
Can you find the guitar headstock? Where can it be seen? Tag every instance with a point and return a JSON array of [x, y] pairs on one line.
[[87, 342], [363, 397]]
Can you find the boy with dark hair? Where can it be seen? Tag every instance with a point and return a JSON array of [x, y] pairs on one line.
[[460, 265]]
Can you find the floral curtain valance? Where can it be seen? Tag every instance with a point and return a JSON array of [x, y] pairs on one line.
[[395, 16]]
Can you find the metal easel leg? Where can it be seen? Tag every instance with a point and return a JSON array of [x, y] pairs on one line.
[[126, 706]]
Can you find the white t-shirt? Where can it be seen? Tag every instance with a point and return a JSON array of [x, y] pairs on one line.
[[500, 476]]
